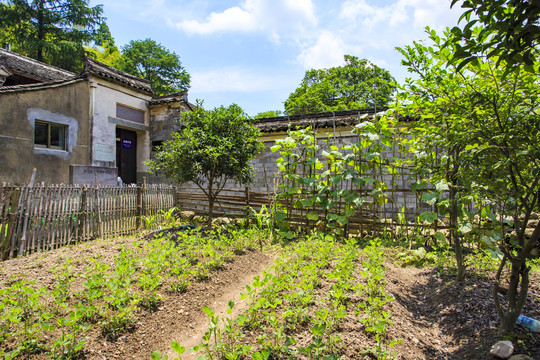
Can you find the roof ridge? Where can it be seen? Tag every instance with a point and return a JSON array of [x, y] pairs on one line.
[[41, 86], [119, 72]]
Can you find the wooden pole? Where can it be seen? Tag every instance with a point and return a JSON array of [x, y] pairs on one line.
[[8, 250], [100, 229], [26, 212]]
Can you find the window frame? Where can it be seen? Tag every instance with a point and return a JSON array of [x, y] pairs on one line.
[[49, 124]]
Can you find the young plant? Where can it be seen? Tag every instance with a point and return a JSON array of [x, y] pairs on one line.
[[179, 350], [69, 346], [222, 342]]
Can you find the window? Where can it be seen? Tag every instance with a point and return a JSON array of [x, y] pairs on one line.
[[126, 113], [156, 144], [48, 135]]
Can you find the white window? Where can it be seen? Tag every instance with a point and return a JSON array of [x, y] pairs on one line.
[[50, 135]]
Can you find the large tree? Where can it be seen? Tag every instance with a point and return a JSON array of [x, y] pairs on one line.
[[214, 147], [482, 124], [357, 84], [511, 32], [152, 61], [53, 31]]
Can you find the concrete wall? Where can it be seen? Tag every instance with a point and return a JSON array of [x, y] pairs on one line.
[[18, 111], [164, 120], [104, 96]]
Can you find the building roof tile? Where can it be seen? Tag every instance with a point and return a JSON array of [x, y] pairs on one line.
[[96, 68], [20, 64], [317, 121]]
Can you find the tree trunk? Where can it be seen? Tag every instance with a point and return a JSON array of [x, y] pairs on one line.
[[456, 241], [210, 210], [41, 30], [211, 199], [519, 282]]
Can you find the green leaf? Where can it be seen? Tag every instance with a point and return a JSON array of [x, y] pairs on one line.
[[428, 217], [208, 311], [177, 348], [306, 202], [440, 236], [313, 216], [280, 216], [430, 198], [275, 147], [332, 217], [318, 329]]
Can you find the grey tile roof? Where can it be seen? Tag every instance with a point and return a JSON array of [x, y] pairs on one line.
[[171, 98], [96, 68], [20, 64], [40, 86], [317, 121]]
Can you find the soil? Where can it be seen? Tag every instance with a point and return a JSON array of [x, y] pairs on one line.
[[436, 317]]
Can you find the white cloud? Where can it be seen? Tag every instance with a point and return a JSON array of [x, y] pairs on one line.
[[232, 19], [277, 19], [401, 13], [233, 79], [327, 51]]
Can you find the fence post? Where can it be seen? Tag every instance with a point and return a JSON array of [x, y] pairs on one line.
[[175, 198], [82, 214], [247, 201], [139, 207], [27, 213], [144, 198], [8, 250], [100, 228]]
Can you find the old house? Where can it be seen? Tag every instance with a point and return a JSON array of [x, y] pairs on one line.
[[74, 127]]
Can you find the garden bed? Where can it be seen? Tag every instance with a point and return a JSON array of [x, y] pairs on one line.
[[432, 315]]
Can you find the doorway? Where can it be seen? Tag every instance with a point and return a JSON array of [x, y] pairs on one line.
[[126, 155]]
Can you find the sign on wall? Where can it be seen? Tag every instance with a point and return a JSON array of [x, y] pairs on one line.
[[104, 152], [127, 144], [84, 175]]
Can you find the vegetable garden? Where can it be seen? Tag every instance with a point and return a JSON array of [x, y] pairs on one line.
[[467, 150]]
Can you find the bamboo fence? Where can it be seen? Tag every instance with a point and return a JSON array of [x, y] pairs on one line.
[[35, 218]]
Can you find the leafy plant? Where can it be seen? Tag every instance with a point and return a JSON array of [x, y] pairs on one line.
[[222, 343], [68, 346], [179, 350]]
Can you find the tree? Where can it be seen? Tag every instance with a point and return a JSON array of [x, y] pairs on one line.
[[152, 61], [53, 31], [214, 147], [511, 32], [487, 124], [268, 114], [104, 49], [358, 84]]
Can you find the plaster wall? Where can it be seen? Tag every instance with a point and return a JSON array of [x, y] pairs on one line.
[[104, 96], [18, 112]]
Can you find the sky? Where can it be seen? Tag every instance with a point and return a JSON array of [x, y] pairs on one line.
[[255, 52]]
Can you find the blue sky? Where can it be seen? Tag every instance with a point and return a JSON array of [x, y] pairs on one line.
[[255, 52]]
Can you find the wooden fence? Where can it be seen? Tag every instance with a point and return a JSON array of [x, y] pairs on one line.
[[44, 217], [402, 209]]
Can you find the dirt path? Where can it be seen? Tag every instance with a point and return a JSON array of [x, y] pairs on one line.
[[191, 334], [180, 317]]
